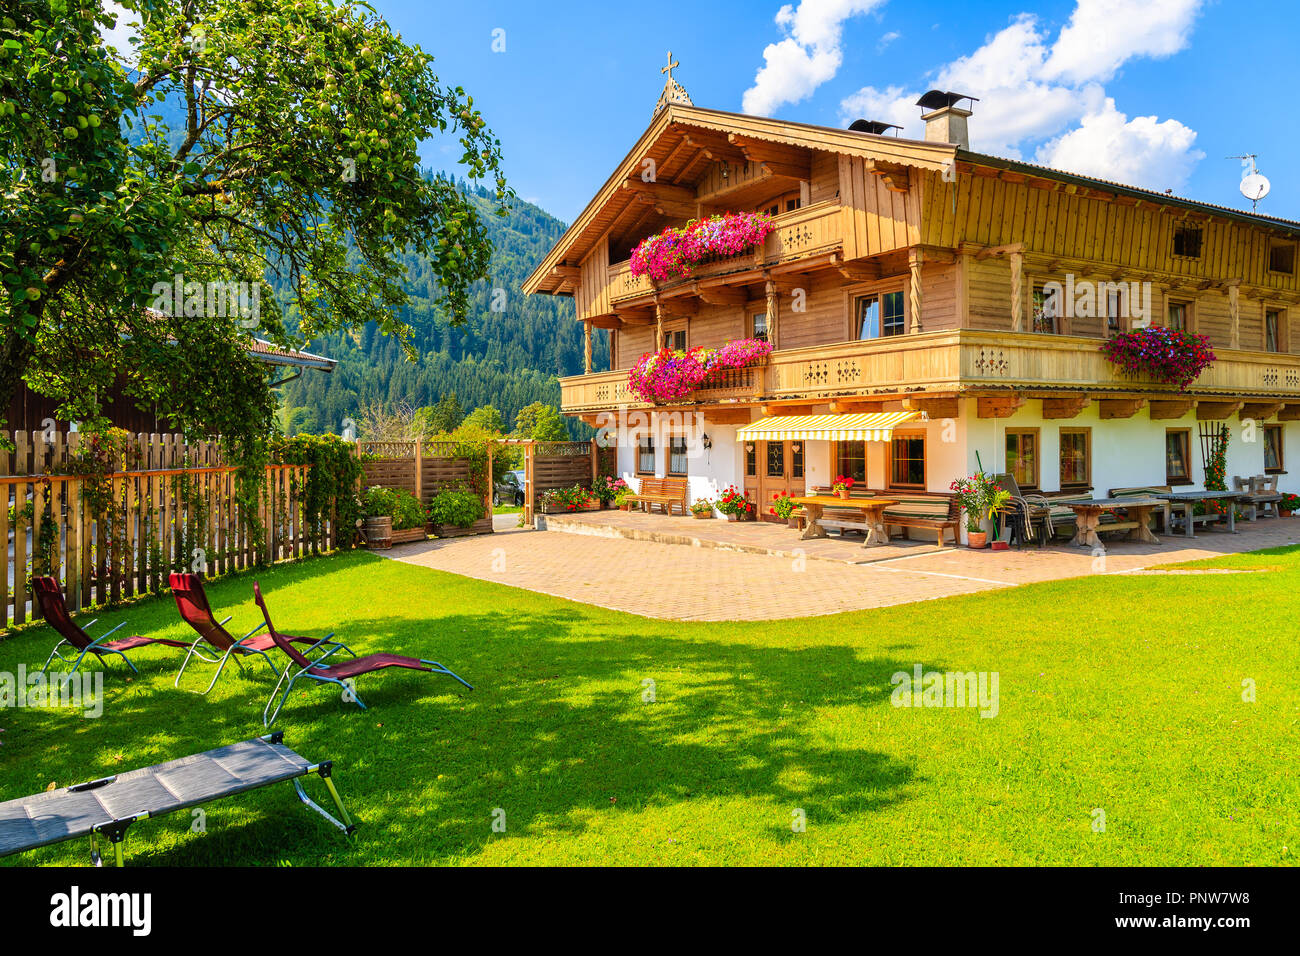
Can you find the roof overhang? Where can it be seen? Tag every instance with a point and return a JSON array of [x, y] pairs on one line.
[[586, 230]]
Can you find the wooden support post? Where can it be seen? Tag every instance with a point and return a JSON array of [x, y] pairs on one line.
[[1017, 292], [419, 470], [773, 311], [491, 482], [659, 327], [586, 345], [1234, 316], [1120, 407], [914, 259]]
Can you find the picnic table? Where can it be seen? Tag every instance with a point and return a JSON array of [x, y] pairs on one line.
[[872, 508], [1088, 512], [1185, 502]]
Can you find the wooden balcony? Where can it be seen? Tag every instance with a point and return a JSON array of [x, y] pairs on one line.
[[811, 231], [954, 362]]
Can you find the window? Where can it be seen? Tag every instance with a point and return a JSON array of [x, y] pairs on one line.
[[1187, 241], [1047, 310], [751, 461], [1076, 458], [645, 458], [1115, 312], [675, 339], [776, 459], [677, 455], [1178, 459], [851, 461], [1281, 258], [907, 461], [1022, 456], [796, 460], [1177, 319], [758, 326], [879, 315], [1272, 330], [1273, 449], [787, 203]]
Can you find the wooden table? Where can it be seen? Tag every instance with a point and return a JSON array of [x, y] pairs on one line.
[[1088, 514], [1185, 501], [873, 517]]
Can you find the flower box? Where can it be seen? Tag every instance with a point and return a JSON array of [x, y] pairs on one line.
[[408, 535]]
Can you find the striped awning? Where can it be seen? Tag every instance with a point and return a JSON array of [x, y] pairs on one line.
[[866, 426]]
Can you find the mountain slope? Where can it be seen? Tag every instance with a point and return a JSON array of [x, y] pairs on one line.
[[508, 358]]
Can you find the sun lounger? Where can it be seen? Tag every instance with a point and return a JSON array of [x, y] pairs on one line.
[[106, 807], [56, 615]]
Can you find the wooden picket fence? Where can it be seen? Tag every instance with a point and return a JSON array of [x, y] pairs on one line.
[[175, 509]]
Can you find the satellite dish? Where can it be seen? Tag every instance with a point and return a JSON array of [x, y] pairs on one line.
[[1254, 186]]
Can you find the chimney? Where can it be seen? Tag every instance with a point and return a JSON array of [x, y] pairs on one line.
[[945, 121]]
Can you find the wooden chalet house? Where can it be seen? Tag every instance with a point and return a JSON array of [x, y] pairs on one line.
[[913, 281]]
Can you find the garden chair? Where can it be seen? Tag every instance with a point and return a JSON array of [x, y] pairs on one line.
[[338, 674], [192, 602], [50, 598]]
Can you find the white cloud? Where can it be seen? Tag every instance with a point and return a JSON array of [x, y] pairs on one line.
[[119, 35], [1046, 96], [1142, 151], [887, 39], [1104, 34], [809, 55]]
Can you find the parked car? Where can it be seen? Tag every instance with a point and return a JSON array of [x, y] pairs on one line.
[[510, 489]]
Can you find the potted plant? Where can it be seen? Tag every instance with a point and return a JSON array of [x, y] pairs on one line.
[[1288, 505], [623, 500], [702, 509], [734, 505], [995, 502], [841, 485], [392, 516], [453, 511], [607, 489], [979, 498], [784, 507]]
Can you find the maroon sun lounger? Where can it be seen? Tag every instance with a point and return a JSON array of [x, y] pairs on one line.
[[332, 673], [56, 614], [192, 602]]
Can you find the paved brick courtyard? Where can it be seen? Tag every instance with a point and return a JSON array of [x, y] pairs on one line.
[[762, 572]]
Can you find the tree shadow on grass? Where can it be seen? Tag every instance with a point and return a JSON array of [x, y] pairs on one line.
[[558, 730]]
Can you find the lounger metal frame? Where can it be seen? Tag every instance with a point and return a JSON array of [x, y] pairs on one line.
[[94, 647]]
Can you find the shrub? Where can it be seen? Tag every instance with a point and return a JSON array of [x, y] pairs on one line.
[[460, 507], [402, 506], [568, 499]]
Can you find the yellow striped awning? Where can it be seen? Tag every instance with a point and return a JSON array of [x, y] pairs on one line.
[[865, 426]]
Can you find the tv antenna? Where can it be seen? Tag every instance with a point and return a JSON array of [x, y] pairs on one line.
[[1254, 185]]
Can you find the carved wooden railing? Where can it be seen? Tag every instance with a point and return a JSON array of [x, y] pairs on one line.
[[958, 360]]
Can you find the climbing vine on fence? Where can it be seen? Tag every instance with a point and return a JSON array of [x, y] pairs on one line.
[[329, 491]]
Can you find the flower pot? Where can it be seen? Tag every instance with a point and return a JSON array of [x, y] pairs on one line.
[[1284, 512], [625, 506], [1000, 545], [793, 523], [843, 493], [701, 514], [976, 539]]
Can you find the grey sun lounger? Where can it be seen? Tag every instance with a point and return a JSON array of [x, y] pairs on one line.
[[106, 807]]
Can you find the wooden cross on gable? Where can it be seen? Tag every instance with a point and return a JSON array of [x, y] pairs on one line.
[[673, 91]]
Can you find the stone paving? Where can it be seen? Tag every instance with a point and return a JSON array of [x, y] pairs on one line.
[[759, 571]]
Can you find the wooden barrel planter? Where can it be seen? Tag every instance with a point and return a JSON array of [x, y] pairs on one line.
[[379, 533]]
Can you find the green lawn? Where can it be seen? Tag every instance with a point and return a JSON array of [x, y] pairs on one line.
[[1122, 693]]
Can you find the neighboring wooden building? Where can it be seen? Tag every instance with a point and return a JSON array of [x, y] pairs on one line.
[[28, 411], [916, 277]]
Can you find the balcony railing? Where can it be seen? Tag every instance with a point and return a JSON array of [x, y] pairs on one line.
[[954, 361], [809, 231]]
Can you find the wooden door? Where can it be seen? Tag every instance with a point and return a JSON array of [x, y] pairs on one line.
[[780, 469]]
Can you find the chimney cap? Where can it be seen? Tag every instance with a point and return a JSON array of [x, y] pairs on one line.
[[938, 99], [875, 127]]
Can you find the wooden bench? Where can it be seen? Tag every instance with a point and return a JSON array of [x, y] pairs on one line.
[[1259, 494], [664, 492], [936, 513]]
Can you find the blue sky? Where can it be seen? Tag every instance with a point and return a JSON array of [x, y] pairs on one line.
[[1155, 93]]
